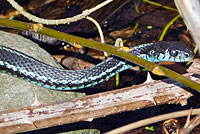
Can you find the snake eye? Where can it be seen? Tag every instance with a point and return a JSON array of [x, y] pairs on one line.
[[174, 53], [186, 55]]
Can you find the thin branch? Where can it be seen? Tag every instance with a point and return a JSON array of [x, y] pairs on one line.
[[168, 26], [99, 30], [84, 14], [102, 47], [190, 125], [160, 5], [152, 120]]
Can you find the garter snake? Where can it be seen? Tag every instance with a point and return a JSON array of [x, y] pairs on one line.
[[27, 68]]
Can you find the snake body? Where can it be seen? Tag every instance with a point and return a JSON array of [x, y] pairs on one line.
[[29, 69]]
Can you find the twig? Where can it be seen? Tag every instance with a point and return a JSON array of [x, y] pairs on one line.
[[190, 124], [103, 47], [99, 30], [168, 26], [84, 14], [153, 120], [160, 5]]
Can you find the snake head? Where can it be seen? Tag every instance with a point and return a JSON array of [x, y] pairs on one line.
[[173, 51]]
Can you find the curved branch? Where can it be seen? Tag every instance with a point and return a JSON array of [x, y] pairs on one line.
[[84, 14]]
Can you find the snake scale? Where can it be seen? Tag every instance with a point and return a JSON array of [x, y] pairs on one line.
[[29, 69]]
